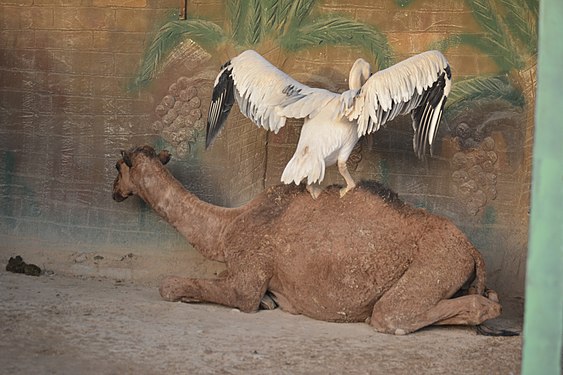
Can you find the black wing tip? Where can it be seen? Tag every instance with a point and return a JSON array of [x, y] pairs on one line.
[[226, 64], [212, 133], [222, 100], [208, 139], [423, 115]]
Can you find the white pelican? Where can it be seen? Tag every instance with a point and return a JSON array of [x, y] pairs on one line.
[[333, 122]]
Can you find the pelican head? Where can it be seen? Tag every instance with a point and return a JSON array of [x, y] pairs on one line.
[[359, 74]]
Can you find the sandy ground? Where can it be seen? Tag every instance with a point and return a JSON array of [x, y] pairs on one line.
[[70, 325]]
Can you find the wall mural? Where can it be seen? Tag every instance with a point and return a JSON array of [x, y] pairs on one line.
[[510, 40], [290, 26], [180, 121], [283, 28]]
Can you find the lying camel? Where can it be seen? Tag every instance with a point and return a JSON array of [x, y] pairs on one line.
[[364, 257]]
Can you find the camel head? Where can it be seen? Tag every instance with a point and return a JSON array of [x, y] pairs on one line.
[[123, 186]]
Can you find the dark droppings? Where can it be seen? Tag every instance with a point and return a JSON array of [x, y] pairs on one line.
[[17, 265]]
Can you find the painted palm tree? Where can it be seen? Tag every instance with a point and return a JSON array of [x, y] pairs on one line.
[[510, 39], [288, 25]]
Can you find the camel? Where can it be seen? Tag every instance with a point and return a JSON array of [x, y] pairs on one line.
[[365, 257]]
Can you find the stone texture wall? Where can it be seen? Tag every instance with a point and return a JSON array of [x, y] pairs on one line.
[[66, 110]]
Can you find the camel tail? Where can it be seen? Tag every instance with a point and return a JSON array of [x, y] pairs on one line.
[[479, 284], [480, 272], [304, 166]]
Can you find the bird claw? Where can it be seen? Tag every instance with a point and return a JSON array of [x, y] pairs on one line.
[[346, 189], [315, 191]]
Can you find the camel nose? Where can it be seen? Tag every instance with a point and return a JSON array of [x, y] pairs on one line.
[[118, 197]]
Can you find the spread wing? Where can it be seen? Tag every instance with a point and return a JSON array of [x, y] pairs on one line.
[[418, 85], [264, 94]]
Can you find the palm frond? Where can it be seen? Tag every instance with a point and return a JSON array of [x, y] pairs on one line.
[[521, 23], [338, 30], [533, 6], [254, 23], [480, 42], [298, 12], [205, 33], [482, 88], [270, 12], [280, 14], [237, 11], [488, 18]]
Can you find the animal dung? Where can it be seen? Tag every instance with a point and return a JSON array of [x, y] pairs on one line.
[[17, 265]]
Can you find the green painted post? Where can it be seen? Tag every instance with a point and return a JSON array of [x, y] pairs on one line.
[[543, 316]]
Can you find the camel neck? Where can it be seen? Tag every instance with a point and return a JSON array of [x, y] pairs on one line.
[[199, 222]]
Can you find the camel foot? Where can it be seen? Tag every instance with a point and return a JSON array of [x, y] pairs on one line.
[[470, 310], [171, 289], [314, 190], [268, 302], [484, 330]]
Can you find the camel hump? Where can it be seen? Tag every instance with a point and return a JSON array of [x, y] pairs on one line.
[[385, 193]]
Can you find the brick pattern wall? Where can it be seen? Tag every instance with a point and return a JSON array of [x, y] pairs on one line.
[[65, 112]]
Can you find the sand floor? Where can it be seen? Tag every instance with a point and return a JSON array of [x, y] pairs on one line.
[[71, 325]]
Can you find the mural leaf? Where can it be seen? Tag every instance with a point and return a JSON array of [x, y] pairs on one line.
[[299, 11], [522, 24], [237, 11], [533, 6], [255, 23], [485, 45], [483, 88], [338, 30], [270, 13], [279, 14], [487, 16], [207, 34]]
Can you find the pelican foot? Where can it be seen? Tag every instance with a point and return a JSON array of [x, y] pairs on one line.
[[346, 189], [314, 190]]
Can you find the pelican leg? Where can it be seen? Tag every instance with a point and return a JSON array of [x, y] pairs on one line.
[[315, 190], [350, 184]]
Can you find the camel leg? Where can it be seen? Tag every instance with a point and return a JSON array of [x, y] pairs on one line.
[[467, 310], [315, 190], [420, 299], [242, 291], [350, 184]]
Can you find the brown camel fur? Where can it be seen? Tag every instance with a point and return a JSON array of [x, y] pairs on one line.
[[364, 257]]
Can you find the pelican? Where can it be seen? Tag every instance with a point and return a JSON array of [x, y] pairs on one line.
[[333, 122]]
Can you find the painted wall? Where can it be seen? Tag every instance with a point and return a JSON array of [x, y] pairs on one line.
[[82, 79]]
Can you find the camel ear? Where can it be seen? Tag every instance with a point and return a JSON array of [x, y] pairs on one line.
[[126, 158], [164, 156]]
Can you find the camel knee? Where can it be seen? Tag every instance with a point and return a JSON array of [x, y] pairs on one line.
[[171, 288], [390, 327], [387, 323]]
